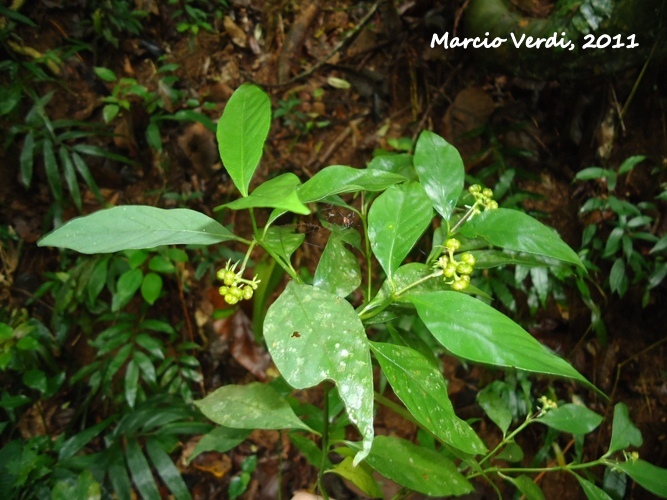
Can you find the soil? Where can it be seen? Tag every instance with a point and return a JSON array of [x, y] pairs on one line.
[[545, 130]]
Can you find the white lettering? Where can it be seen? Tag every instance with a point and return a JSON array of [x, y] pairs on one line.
[[440, 41], [517, 43]]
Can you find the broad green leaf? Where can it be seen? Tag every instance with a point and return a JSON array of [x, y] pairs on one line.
[[279, 192], [630, 163], [105, 74], [145, 365], [109, 112], [420, 469], [486, 259], [338, 271], [440, 170], [496, 409], [35, 379], [473, 330], [241, 133], [575, 419], [166, 469], [511, 452], [52, 172], [396, 163], [70, 176], [161, 264], [151, 287], [647, 475], [361, 476], [131, 382], [423, 390], [140, 471], [221, 439], [128, 284], [396, 220], [313, 336], [153, 137], [117, 473], [27, 159], [252, 406], [591, 491], [282, 241], [618, 279], [135, 227], [338, 179], [623, 432], [515, 230], [526, 486]]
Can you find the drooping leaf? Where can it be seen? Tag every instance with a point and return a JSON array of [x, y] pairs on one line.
[[415, 467], [70, 176], [575, 419], [166, 469], [647, 475], [74, 444], [440, 170], [117, 473], [131, 382], [220, 439], [241, 133], [496, 409], [82, 168], [313, 336], [339, 179], [473, 330], [252, 406], [396, 220], [623, 432], [526, 486], [135, 227], [338, 271], [591, 491], [423, 390], [485, 259], [283, 241], [361, 476], [140, 471], [517, 231], [280, 192]]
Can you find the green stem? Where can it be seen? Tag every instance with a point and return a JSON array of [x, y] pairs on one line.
[[367, 243], [254, 221], [510, 437], [434, 274], [567, 467], [325, 438], [462, 220], [287, 267], [247, 256]]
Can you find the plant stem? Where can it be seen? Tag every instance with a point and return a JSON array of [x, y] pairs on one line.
[[462, 220], [508, 438], [325, 437], [434, 274]]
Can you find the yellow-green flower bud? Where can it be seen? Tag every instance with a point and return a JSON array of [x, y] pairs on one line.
[[223, 290], [247, 292], [452, 244], [230, 299], [468, 258], [465, 278], [475, 188], [460, 285], [450, 270], [487, 192], [464, 268], [492, 205]]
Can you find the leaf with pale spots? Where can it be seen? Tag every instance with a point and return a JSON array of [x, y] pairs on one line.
[[313, 336], [423, 390], [252, 406], [420, 469], [338, 271]]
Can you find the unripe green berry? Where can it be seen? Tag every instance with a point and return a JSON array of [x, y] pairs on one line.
[[464, 268], [247, 292], [450, 270], [475, 188], [230, 278], [236, 292], [223, 290], [468, 258], [230, 299], [487, 192], [459, 285], [452, 244], [465, 278], [492, 205], [221, 274]]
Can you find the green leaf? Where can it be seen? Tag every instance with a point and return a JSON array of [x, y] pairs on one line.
[[117, 473], [338, 271], [161, 264], [52, 173], [423, 390], [630, 163], [486, 259], [623, 432], [312, 336], [420, 469], [361, 476], [105, 74], [140, 471], [131, 382], [473, 330], [514, 230], [440, 170], [128, 284], [82, 168], [338, 179], [221, 439], [282, 241], [145, 365], [135, 227], [647, 475], [166, 469], [109, 112], [35, 379], [27, 159], [591, 491], [151, 287], [396, 220], [241, 133], [279, 192], [618, 280], [70, 176], [252, 406], [496, 409], [575, 419], [153, 137], [526, 486]]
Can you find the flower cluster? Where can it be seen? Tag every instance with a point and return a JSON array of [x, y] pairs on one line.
[[547, 404], [456, 271], [483, 199], [235, 287]]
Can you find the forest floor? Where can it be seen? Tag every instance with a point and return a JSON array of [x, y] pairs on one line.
[[380, 86]]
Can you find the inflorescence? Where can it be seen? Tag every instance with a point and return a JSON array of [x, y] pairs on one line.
[[235, 287]]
